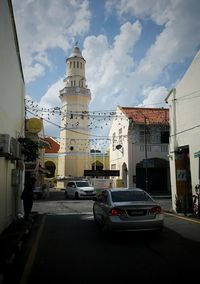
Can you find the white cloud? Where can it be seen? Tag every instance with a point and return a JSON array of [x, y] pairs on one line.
[[108, 66], [159, 11], [51, 97], [48, 101], [178, 40], [39, 29], [152, 95], [181, 24]]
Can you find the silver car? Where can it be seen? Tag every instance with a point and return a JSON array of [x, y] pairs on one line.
[[127, 210]]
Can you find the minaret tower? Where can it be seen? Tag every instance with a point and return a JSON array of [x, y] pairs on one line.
[[74, 133]]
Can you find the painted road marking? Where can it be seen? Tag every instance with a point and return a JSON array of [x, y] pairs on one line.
[[183, 218], [31, 257]]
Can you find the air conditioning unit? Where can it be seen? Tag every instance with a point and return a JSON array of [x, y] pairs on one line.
[[10, 147], [14, 147], [4, 145]]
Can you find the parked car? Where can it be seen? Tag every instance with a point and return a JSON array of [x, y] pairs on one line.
[[127, 210], [79, 189]]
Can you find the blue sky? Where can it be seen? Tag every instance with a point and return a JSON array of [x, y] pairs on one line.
[[135, 50]]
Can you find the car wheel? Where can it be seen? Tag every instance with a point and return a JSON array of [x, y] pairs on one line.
[[76, 195]]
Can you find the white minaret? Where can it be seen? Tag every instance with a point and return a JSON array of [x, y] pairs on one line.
[[74, 134]]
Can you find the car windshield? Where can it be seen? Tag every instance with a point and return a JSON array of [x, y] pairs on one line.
[[82, 184], [126, 196]]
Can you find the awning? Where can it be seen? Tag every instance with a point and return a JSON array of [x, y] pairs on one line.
[[197, 154]]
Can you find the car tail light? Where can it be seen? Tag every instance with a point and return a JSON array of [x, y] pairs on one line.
[[117, 212], [155, 210]]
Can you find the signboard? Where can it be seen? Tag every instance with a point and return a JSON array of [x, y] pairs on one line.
[[102, 173], [34, 125], [181, 175], [197, 154]]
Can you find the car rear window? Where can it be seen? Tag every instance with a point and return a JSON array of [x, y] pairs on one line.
[[125, 196], [82, 184]]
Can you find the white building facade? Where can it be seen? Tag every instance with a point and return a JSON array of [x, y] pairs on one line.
[[139, 148], [11, 118], [184, 150]]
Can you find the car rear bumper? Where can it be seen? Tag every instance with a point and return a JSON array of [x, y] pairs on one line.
[[115, 224]]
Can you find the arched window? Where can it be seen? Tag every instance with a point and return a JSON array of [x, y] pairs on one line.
[[50, 166], [97, 166]]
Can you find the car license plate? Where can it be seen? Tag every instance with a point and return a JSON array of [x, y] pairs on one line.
[[136, 212]]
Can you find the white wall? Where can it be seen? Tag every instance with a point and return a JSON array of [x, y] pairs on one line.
[[11, 108], [184, 101], [119, 157], [132, 153]]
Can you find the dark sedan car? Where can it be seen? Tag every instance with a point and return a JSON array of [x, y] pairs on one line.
[[127, 210]]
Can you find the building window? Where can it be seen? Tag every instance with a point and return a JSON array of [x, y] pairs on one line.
[[120, 136], [141, 138], [164, 137], [74, 64], [77, 64], [70, 66], [141, 148], [164, 148], [113, 141]]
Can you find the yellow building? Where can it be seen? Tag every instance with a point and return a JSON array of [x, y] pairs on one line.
[[95, 161]]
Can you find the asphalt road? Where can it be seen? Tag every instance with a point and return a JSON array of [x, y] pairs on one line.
[[66, 246], [71, 249]]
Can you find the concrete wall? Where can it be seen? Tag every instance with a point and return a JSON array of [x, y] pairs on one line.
[[184, 102], [11, 110]]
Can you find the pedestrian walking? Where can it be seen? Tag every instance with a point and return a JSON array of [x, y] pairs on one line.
[[27, 197]]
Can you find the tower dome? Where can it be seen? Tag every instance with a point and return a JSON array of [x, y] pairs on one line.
[[76, 52]]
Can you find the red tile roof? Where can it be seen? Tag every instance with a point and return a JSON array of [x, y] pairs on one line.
[[152, 115], [54, 145]]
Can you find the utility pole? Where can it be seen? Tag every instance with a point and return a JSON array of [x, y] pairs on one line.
[[145, 148]]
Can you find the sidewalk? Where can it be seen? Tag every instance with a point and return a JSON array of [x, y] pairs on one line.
[[11, 243]]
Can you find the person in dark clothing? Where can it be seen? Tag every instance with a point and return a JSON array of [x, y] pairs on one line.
[[27, 197]]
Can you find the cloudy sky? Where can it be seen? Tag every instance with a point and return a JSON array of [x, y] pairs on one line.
[[135, 50]]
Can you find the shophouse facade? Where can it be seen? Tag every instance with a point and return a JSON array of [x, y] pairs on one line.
[[184, 147], [139, 148]]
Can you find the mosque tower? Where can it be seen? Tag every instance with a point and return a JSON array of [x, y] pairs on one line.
[[74, 134]]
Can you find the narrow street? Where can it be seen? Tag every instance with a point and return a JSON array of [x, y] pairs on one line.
[[66, 246]]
